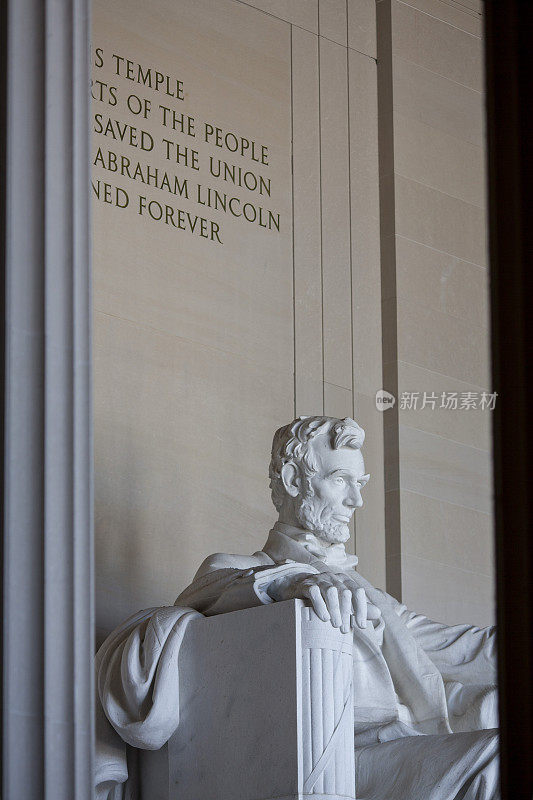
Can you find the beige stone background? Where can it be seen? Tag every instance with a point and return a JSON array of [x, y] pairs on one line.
[[378, 277]]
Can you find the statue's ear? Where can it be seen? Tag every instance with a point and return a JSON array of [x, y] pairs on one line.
[[290, 475]]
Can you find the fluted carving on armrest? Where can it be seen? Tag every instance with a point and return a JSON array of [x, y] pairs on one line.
[[327, 709]]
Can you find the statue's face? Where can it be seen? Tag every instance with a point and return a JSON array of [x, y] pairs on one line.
[[332, 494]]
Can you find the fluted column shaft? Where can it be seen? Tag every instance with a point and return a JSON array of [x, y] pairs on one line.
[[48, 641]]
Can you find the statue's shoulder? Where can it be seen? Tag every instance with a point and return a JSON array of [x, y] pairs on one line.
[[218, 561]]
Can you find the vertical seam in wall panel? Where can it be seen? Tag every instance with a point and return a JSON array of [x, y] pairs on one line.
[[320, 195], [72, 443], [348, 107], [42, 576], [388, 273], [350, 208], [292, 207], [3, 198], [73, 507], [73, 510], [47, 590]]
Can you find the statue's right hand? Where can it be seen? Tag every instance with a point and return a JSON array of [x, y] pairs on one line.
[[335, 597]]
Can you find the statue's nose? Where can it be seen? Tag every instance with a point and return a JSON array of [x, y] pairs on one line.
[[354, 499]]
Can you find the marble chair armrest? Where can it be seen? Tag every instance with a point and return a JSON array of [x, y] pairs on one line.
[[266, 710]]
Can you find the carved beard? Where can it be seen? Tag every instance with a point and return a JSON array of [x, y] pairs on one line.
[[316, 517]]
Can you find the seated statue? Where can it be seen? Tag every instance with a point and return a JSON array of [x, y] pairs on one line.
[[425, 714]]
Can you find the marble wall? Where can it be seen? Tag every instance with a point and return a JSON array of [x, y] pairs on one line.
[[435, 306], [377, 272]]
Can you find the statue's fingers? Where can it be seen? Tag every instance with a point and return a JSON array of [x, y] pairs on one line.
[[372, 611], [319, 605], [352, 586], [361, 608], [332, 600], [346, 609]]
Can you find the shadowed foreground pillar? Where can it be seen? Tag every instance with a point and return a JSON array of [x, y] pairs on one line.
[[47, 641], [510, 127]]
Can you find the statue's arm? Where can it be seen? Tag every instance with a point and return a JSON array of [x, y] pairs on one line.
[[464, 653], [230, 582]]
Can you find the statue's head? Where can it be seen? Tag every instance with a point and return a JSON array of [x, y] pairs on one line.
[[317, 473]]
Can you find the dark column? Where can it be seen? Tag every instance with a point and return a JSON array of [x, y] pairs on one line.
[[509, 63]]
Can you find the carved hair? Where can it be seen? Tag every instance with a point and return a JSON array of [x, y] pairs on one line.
[[291, 445]]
